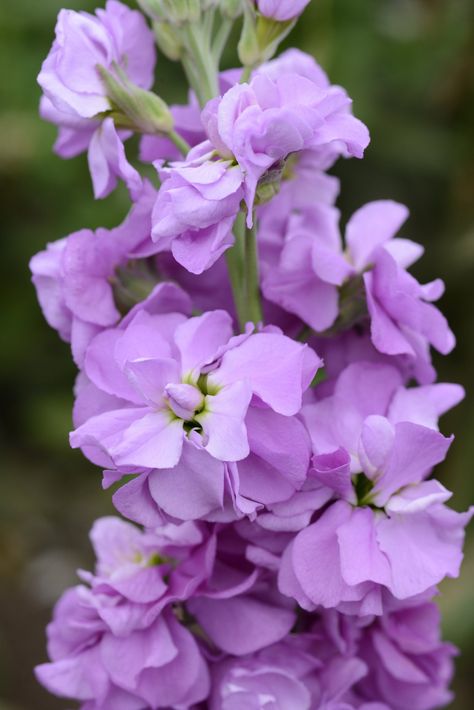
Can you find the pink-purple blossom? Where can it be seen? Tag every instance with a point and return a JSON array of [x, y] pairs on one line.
[[251, 129], [261, 123], [74, 97], [74, 277], [117, 642], [375, 444], [199, 410]]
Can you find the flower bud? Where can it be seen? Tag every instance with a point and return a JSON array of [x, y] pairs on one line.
[[231, 8], [281, 10], [133, 107], [260, 37], [168, 40], [248, 47], [153, 8], [175, 12]]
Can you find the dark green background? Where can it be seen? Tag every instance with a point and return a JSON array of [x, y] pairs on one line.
[[409, 65]]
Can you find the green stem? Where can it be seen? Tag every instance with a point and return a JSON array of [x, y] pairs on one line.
[[246, 75], [192, 77], [203, 77], [220, 39], [235, 268], [182, 145], [252, 282]]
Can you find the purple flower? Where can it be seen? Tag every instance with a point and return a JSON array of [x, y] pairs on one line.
[[364, 395], [375, 443], [300, 248], [403, 320], [114, 644], [261, 123], [195, 210], [301, 672], [406, 547], [408, 665], [181, 390], [281, 10], [251, 129], [73, 277], [74, 95]]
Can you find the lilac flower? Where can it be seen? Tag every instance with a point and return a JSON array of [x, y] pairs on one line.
[[303, 671], [74, 95], [281, 10], [73, 277], [253, 128], [300, 249], [408, 665], [261, 123], [375, 443], [114, 644], [182, 390], [195, 210], [403, 320]]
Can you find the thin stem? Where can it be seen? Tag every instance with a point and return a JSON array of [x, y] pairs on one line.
[[204, 76], [246, 75], [192, 77], [235, 267], [252, 282], [208, 24], [182, 145], [220, 39]]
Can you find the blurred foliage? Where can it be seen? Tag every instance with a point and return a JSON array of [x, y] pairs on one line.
[[409, 65]]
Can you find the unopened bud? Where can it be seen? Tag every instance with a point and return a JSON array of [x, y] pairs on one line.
[[168, 40], [260, 37], [248, 47], [133, 107], [153, 8], [231, 8], [269, 35], [175, 12]]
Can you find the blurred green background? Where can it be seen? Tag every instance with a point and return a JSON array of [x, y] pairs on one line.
[[409, 65]]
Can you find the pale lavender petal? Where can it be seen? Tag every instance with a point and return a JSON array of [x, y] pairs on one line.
[[108, 163], [223, 422], [199, 338], [243, 624], [361, 558], [416, 449], [372, 225], [153, 441], [424, 405], [191, 490], [273, 365]]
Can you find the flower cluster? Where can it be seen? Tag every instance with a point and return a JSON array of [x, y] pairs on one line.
[[256, 386]]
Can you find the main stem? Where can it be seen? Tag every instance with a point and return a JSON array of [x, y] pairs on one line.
[[242, 265], [235, 257], [253, 308]]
